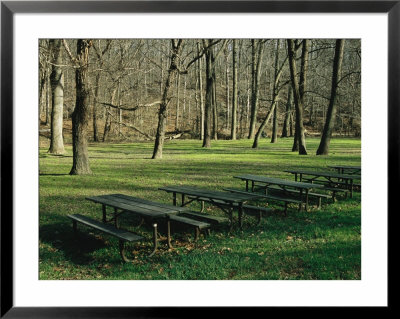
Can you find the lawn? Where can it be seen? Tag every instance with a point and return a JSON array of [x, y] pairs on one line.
[[319, 244]]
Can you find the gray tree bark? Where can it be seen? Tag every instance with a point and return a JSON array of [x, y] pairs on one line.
[[256, 71], [57, 97], [80, 116], [298, 100], [162, 113], [234, 89], [323, 148]]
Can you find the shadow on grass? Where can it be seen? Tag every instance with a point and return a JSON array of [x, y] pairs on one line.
[[75, 246]]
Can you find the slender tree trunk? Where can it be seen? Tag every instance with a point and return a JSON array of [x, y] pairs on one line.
[[215, 112], [275, 96], [234, 89], [274, 90], [177, 103], [297, 97], [323, 148], [96, 98], [275, 126], [200, 79], [162, 113], [256, 71], [210, 79], [57, 97], [80, 116], [286, 123]]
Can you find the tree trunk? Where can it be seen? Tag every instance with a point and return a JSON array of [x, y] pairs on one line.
[[286, 123], [96, 97], [162, 113], [256, 71], [210, 79], [274, 90], [275, 126], [57, 97], [323, 148], [215, 112], [234, 90], [80, 116], [200, 79], [298, 100]]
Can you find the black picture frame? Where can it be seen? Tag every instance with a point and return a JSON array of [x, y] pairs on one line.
[[9, 8]]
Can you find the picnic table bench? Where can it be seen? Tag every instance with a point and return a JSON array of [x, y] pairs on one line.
[[225, 201], [122, 235], [148, 211], [287, 189], [285, 200], [334, 182]]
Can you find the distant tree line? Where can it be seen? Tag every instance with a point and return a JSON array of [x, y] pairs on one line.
[[209, 89]]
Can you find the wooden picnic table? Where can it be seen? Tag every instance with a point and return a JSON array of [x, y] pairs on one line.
[[283, 184], [220, 199], [347, 169], [145, 209], [326, 177]]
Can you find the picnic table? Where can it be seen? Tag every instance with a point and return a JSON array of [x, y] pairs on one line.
[[328, 178], [283, 184], [220, 199], [347, 169], [145, 209]]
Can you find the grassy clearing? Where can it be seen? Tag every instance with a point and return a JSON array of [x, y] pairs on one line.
[[321, 244]]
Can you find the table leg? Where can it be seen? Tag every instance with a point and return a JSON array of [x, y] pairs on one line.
[[247, 185], [295, 177], [174, 198], [202, 206], [240, 213], [301, 199], [169, 233], [230, 218], [183, 200], [104, 214], [351, 188], [116, 218], [252, 186], [154, 240], [307, 200]]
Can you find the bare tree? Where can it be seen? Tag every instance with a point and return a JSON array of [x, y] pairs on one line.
[[298, 98], [57, 97], [323, 148], [80, 116], [162, 113]]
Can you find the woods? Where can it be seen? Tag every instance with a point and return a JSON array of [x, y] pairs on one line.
[[124, 90]]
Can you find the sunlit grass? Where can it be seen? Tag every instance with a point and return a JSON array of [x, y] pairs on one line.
[[321, 244]]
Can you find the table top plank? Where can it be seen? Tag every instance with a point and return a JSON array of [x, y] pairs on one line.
[[345, 166], [154, 204], [324, 174], [278, 181], [131, 205], [210, 194]]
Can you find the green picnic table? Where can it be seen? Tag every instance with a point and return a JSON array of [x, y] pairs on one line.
[[283, 184], [328, 178], [220, 199], [347, 169]]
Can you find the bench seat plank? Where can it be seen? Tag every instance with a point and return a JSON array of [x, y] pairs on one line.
[[296, 191], [106, 228], [206, 217], [189, 221]]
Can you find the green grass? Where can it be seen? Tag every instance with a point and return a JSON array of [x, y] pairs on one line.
[[320, 244]]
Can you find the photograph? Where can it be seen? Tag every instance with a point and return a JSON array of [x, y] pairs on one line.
[[200, 159]]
